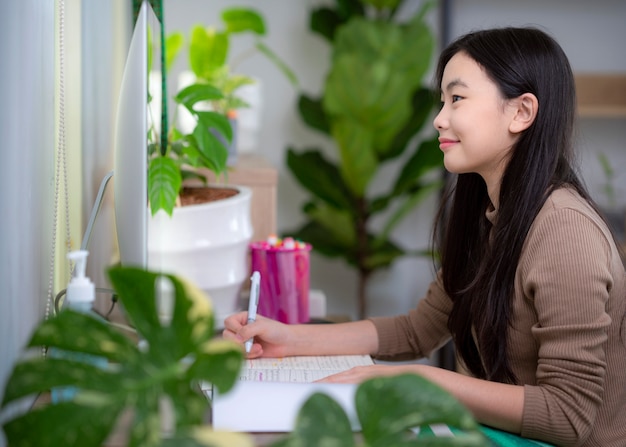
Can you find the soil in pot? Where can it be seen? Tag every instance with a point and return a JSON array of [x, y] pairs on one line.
[[198, 195]]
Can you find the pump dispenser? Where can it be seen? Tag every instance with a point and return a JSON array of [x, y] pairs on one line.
[[81, 292], [79, 297]]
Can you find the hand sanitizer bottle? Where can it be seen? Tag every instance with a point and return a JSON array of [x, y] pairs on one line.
[[81, 292], [80, 297]]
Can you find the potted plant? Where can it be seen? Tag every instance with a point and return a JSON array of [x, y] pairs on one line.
[[615, 215], [138, 380], [374, 107], [215, 259]]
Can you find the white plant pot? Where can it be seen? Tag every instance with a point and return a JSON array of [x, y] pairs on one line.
[[208, 245]]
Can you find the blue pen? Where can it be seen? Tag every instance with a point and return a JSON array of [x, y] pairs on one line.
[[253, 304]]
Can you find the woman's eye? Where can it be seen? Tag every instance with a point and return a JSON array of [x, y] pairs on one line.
[[455, 98]]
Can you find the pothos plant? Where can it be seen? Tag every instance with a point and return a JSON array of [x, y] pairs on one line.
[[174, 356], [211, 100], [373, 106]]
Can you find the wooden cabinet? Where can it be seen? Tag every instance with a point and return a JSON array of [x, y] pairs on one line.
[[601, 95]]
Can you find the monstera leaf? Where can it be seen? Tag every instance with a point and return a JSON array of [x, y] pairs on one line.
[[176, 352], [392, 411]]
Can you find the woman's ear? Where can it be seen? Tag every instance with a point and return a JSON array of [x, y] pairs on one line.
[[526, 107]]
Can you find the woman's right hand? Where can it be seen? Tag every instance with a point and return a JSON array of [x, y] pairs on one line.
[[271, 338]]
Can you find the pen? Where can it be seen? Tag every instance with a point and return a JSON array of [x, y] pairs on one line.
[[253, 304]]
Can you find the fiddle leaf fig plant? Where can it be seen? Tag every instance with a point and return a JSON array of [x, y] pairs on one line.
[[373, 107], [392, 411], [174, 355]]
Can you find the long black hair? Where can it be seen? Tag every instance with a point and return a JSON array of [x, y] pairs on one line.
[[478, 259]]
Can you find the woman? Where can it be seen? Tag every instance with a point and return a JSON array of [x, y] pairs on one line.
[[531, 288]]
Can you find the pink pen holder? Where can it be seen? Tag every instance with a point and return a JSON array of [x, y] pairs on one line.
[[284, 269]]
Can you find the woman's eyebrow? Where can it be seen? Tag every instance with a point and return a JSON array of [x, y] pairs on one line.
[[454, 83]]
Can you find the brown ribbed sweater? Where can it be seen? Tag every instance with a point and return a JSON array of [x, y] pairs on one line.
[[567, 343]]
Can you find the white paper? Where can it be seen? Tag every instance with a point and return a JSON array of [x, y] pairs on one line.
[[270, 392], [299, 369], [258, 407]]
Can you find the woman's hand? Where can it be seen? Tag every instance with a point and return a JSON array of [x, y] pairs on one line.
[[360, 374], [271, 337]]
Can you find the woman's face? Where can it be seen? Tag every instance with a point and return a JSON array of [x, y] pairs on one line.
[[474, 121]]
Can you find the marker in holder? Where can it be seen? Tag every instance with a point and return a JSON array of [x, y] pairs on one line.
[[284, 268]]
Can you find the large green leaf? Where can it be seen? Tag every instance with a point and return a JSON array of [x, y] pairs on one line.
[[176, 353], [320, 422], [426, 158], [381, 253], [212, 151], [65, 424], [208, 50], [240, 20], [422, 104], [191, 95], [389, 410], [338, 223], [317, 235], [358, 159], [313, 114], [173, 45], [325, 22], [389, 406], [320, 176]]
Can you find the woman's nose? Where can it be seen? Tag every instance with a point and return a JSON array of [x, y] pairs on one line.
[[440, 121]]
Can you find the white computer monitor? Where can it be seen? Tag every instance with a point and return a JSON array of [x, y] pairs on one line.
[[135, 116]]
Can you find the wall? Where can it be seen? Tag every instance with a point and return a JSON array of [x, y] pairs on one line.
[[26, 179]]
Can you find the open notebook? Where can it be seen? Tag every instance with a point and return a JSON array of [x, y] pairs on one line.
[[270, 392]]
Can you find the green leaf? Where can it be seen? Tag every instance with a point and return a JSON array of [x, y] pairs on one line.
[[74, 331], [338, 223], [383, 4], [39, 375], [313, 113], [321, 422], [208, 50], [416, 196], [64, 424], [422, 103], [325, 22], [389, 406], [427, 157], [239, 20], [176, 353], [213, 151], [217, 121], [381, 254], [195, 93], [320, 177], [173, 44], [358, 160], [219, 363], [317, 235], [164, 183]]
